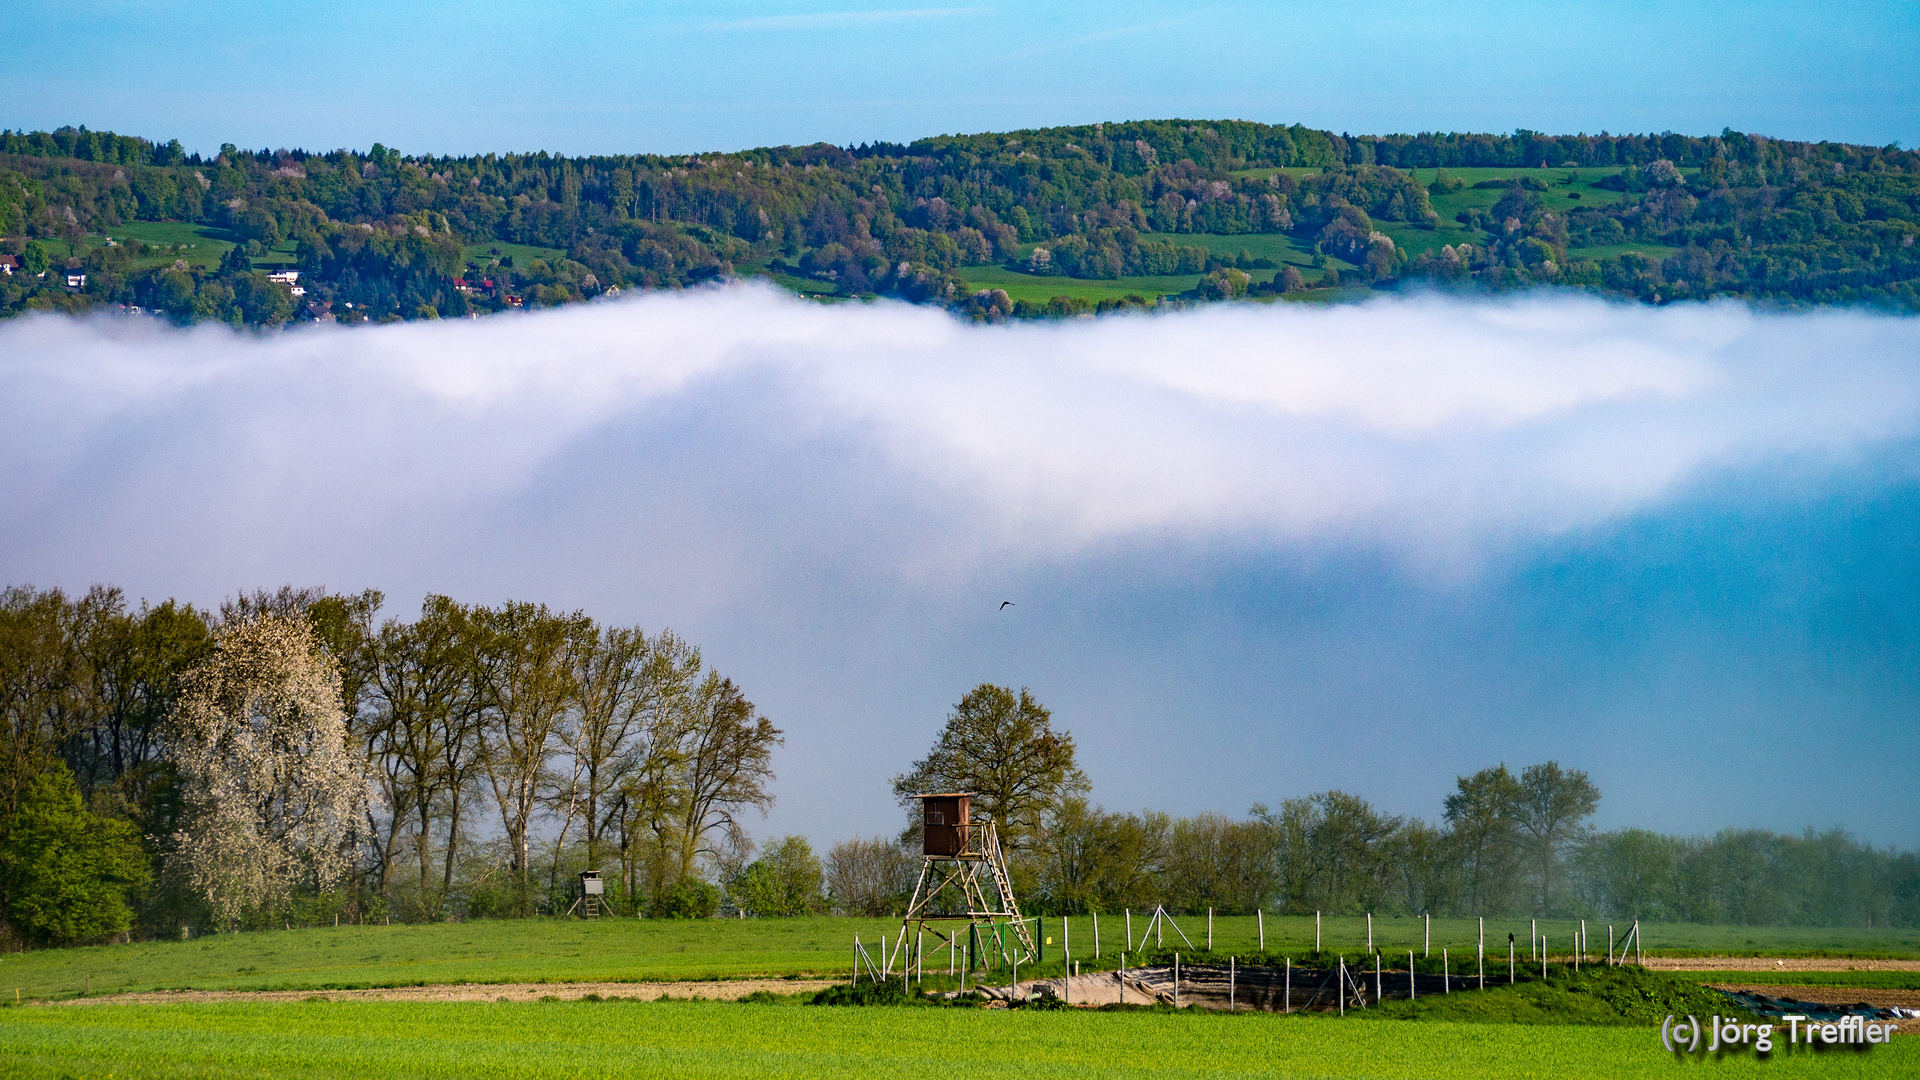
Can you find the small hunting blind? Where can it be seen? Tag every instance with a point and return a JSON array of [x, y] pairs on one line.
[[943, 822], [590, 883]]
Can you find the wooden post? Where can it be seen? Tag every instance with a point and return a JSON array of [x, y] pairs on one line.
[[1260, 919], [856, 960], [1543, 956], [1231, 974], [920, 957], [1066, 943], [1130, 930], [1480, 953], [1209, 929], [1609, 944], [1096, 935], [1413, 991], [1316, 933], [1639, 956], [1509, 959], [1176, 980], [1369, 931], [1286, 1003], [1446, 972], [1429, 950], [1379, 987], [1341, 986], [1533, 938]]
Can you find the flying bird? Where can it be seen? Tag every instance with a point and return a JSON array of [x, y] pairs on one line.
[[1005, 604]]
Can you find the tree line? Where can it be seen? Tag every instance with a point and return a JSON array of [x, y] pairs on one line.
[[295, 757], [292, 756], [382, 235], [1506, 844]]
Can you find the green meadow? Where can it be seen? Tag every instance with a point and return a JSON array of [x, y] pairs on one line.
[[653, 950], [321, 1039], [1021, 285], [487, 253]]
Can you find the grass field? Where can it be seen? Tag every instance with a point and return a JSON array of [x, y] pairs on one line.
[[544, 950], [1044, 287], [674, 1039], [1279, 247], [485, 254]]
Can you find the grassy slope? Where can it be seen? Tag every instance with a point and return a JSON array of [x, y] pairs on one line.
[[1022, 286], [673, 1039], [483, 255], [628, 949]]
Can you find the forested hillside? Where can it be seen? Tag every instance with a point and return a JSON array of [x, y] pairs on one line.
[[1053, 221]]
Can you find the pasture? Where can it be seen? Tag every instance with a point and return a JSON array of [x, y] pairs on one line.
[[1040, 288], [653, 950], [483, 255], [321, 1039]]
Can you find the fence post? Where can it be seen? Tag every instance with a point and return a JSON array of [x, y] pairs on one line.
[[1260, 918], [1316, 933], [1413, 990]]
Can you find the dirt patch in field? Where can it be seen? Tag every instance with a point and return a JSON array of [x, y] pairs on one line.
[[1839, 995], [1768, 963], [1832, 995], [728, 990]]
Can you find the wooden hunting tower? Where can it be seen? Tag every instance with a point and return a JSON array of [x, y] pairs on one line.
[[963, 878], [944, 824], [589, 902]]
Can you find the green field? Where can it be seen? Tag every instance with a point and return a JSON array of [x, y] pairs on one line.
[[711, 1040], [615, 950], [1279, 247], [1043, 287], [195, 244], [485, 254]]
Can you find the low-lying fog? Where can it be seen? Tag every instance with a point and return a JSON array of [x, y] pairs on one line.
[[1254, 551]]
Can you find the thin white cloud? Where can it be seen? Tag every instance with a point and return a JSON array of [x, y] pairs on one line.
[[828, 20]]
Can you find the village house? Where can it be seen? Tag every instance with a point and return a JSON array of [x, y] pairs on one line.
[[8, 264], [76, 279]]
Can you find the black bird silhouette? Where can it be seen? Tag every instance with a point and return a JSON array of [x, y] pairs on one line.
[[1005, 604]]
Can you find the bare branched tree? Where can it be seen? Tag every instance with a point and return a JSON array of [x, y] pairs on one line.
[[728, 754], [525, 657]]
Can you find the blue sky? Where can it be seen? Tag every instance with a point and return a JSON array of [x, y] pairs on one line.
[[606, 77]]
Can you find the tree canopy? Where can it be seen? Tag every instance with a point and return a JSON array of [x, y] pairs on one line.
[[1001, 747]]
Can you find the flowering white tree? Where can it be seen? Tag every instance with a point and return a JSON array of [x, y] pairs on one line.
[[273, 786]]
